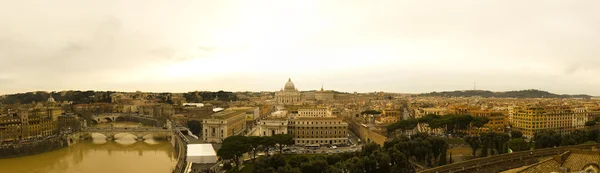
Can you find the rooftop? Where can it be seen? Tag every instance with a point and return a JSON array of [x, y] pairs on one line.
[[200, 150], [226, 114]]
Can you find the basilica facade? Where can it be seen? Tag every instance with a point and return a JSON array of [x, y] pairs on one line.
[[289, 95]]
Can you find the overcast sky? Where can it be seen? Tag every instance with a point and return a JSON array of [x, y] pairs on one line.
[[346, 45]]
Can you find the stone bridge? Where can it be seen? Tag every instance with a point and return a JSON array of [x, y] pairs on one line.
[[124, 117], [139, 132], [107, 117]]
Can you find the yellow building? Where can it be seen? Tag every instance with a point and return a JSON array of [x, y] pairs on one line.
[[41, 126], [34, 123], [389, 116], [10, 128], [497, 121], [530, 120], [223, 124]]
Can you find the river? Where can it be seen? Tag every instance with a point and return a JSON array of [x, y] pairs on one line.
[[99, 156]]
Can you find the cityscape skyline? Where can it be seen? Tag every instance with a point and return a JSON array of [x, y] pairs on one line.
[[349, 46]]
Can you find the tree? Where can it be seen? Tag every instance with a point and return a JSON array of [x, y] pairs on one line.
[[590, 123], [233, 148], [267, 143], [297, 160], [369, 148], [403, 125], [283, 140], [383, 162], [443, 159], [474, 142], [255, 142], [277, 161], [500, 140], [518, 144], [479, 121], [354, 165], [195, 127], [516, 134], [289, 169], [546, 139]]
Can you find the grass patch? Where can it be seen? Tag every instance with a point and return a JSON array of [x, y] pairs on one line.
[[589, 142], [247, 169]]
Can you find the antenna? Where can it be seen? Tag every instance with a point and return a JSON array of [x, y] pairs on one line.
[[474, 85]]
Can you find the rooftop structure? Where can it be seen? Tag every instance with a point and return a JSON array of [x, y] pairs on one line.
[[201, 153]]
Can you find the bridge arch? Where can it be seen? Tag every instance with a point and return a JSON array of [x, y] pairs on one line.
[[109, 119], [139, 134], [119, 119]]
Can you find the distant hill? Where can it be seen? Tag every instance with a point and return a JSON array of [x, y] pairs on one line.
[[508, 94]]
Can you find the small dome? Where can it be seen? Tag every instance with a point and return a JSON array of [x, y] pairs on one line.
[[51, 100], [289, 86]]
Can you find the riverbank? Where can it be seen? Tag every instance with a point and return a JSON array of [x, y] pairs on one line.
[[32, 148]]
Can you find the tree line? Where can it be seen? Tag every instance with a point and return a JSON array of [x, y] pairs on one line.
[[234, 147], [200, 96], [498, 143], [394, 156], [490, 143], [452, 123], [77, 97], [551, 138], [532, 93]]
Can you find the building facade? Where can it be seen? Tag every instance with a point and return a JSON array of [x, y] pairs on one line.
[[324, 95], [316, 131], [314, 112], [532, 119], [273, 125], [289, 95], [223, 124]]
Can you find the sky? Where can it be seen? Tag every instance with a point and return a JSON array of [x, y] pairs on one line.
[[345, 45]]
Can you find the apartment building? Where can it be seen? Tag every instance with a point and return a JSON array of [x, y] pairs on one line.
[[314, 112], [316, 131], [532, 119]]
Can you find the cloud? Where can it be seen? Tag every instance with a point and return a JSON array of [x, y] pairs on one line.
[[96, 44], [206, 48], [163, 52]]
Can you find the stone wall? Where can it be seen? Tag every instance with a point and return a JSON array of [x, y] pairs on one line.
[[32, 148], [366, 135], [180, 147]]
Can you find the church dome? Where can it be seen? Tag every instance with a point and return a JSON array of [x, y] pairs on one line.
[[289, 86], [51, 100]]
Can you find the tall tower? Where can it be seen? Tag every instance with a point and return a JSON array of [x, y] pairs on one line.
[[24, 116]]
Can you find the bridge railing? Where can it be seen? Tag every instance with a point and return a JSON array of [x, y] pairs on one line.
[[135, 129]]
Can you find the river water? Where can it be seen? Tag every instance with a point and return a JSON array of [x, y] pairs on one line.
[[100, 156]]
